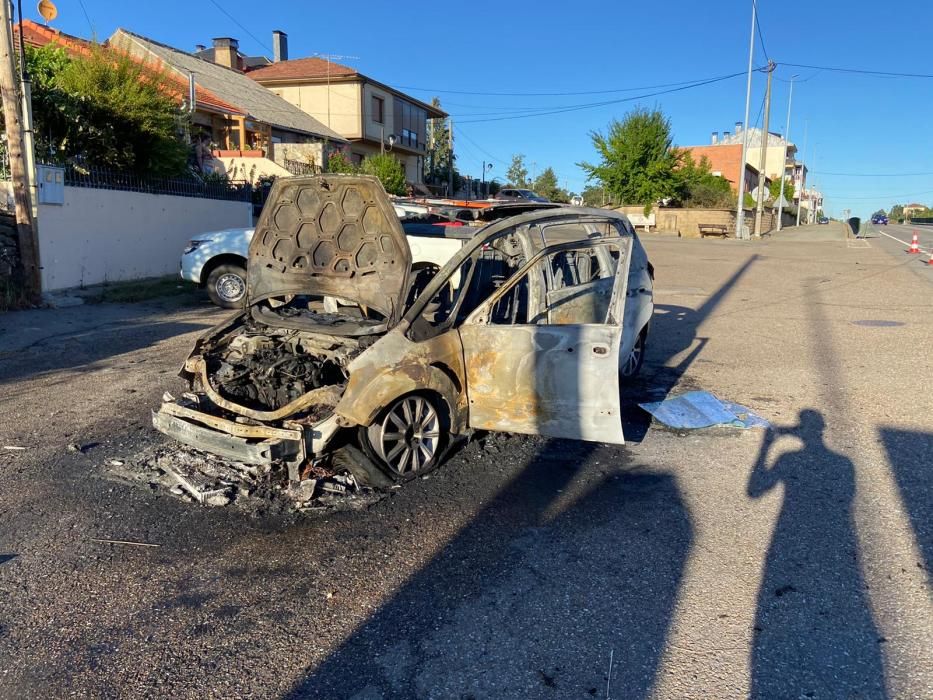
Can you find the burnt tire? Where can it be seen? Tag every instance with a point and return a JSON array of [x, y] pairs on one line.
[[409, 437], [631, 365], [226, 286]]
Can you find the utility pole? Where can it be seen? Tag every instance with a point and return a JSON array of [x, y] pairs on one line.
[[450, 159], [759, 210], [803, 170], [13, 118], [740, 213], [790, 99]]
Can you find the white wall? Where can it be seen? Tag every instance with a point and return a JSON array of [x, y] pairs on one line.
[[108, 235]]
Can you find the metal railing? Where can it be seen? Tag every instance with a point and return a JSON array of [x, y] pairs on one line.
[[297, 167], [104, 179]]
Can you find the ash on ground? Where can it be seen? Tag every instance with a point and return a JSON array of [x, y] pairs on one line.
[[208, 480]]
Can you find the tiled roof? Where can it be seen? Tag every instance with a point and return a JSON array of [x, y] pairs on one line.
[[230, 85], [301, 68], [38, 35], [317, 69]]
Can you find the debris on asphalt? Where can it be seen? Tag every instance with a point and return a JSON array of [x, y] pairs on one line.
[[16, 448], [700, 409], [126, 542], [209, 480]]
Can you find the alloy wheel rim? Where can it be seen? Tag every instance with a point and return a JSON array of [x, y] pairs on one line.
[[409, 435], [231, 287], [632, 362]]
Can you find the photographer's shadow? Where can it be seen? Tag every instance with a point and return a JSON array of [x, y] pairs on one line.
[[814, 631]]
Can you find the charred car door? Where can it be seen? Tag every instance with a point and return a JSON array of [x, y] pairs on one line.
[[541, 354]]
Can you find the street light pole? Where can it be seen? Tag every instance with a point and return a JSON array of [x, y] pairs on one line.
[[740, 213], [763, 160], [486, 166], [803, 170], [790, 99]]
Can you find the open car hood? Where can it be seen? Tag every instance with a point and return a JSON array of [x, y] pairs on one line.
[[334, 236]]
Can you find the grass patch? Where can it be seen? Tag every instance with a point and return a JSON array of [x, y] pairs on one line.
[[140, 290], [12, 296]]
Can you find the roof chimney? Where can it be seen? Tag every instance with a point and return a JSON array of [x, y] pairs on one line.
[[725, 136], [715, 138], [738, 128], [279, 46], [225, 52], [198, 48]]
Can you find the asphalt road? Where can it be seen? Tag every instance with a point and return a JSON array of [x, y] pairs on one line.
[[792, 563], [896, 238]]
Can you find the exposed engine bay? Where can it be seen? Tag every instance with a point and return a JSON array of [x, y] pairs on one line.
[[262, 367]]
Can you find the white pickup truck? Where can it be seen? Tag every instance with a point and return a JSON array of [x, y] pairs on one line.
[[216, 260]]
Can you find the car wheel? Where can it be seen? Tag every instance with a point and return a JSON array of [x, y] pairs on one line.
[[226, 286], [408, 438], [631, 366]]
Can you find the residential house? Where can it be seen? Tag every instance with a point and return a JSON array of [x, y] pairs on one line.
[[371, 115], [774, 148], [265, 124], [913, 209], [208, 106], [724, 160]]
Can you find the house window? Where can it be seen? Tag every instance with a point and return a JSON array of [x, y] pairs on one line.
[[379, 110]]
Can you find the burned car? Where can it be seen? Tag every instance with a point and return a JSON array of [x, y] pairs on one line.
[[526, 329]]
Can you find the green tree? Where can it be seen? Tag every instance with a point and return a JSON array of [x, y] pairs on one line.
[[547, 186], [897, 212], [595, 195], [337, 162], [775, 186], [698, 187], [388, 169], [108, 110], [636, 161], [517, 174], [439, 156]]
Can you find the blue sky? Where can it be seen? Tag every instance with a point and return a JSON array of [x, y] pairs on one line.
[[854, 123]]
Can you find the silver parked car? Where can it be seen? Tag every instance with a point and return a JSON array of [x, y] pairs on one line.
[[526, 329]]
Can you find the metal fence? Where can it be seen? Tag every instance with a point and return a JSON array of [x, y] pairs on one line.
[[103, 179], [296, 167]]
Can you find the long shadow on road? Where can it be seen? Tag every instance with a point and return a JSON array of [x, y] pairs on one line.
[[814, 630], [910, 454], [532, 596]]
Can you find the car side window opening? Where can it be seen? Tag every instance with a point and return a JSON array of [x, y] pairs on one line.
[[563, 287], [472, 283]]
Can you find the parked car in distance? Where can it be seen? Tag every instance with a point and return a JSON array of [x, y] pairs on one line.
[[879, 219], [824, 220], [520, 194], [525, 329]]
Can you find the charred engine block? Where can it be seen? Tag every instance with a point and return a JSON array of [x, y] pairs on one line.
[[266, 372]]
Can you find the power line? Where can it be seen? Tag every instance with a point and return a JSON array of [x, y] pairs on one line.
[[761, 37], [483, 150], [826, 172], [90, 24], [237, 23], [889, 74], [552, 94], [546, 111]]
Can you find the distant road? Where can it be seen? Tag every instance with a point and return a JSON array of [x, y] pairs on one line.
[[895, 238]]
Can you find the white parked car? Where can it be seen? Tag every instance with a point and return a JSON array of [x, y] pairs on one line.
[[216, 260]]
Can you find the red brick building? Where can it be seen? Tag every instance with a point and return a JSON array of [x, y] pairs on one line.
[[725, 160]]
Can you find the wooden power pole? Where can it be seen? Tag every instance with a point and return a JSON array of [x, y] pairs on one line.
[[763, 162], [13, 119]]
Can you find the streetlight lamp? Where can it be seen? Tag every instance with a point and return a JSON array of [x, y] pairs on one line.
[[486, 166], [790, 99], [383, 141]]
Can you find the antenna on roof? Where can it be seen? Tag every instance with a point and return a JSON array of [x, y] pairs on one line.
[[328, 57]]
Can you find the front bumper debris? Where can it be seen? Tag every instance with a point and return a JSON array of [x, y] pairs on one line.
[[250, 444]]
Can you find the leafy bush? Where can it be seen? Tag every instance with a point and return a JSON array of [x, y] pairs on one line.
[[107, 110], [388, 169]]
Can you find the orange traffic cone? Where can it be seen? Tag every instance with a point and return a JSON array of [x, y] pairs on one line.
[[930, 261], [914, 245]]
